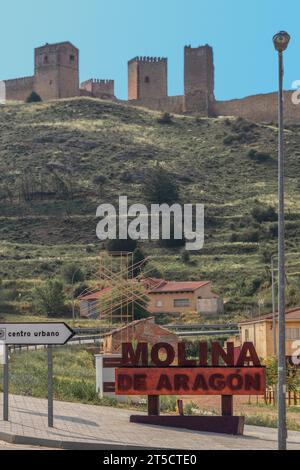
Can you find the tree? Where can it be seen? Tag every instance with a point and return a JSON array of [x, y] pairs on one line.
[[49, 298], [138, 256], [33, 98], [160, 187], [72, 273]]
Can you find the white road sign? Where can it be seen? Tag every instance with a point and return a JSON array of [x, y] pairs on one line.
[[35, 333]]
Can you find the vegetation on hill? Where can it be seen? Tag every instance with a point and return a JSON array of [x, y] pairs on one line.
[[60, 160]]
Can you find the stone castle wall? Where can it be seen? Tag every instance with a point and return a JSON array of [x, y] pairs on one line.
[[259, 108], [19, 89], [99, 88], [168, 104]]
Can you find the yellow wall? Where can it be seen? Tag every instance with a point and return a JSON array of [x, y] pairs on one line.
[[261, 334], [167, 300]]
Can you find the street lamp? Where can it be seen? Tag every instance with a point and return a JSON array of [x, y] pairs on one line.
[[281, 41], [73, 303]]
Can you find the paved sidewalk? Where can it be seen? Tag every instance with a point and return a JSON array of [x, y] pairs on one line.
[[81, 426]]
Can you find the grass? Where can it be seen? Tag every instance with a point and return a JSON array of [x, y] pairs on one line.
[[74, 379], [56, 149], [270, 422]]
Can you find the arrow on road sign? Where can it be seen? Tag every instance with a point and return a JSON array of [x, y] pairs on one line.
[[35, 333]]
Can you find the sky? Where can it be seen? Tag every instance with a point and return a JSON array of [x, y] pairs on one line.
[[110, 32]]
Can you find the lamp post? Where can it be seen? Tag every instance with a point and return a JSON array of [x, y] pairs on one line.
[[73, 299], [281, 41]]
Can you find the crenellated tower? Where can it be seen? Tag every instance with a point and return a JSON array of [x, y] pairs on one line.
[[199, 80], [147, 78]]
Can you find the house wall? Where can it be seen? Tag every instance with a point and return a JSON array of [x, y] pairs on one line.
[[256, 333], [167, 300], [288, 343], [146, 331], [261, 334], [88, 307], [210, 306]]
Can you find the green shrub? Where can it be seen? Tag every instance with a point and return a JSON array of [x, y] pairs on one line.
[[72, 273], [49, 298], [168, 403], [165, 118], [160, 187], [261, 213], [259, 156]]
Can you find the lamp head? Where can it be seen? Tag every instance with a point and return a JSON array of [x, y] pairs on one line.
[[281, 41]]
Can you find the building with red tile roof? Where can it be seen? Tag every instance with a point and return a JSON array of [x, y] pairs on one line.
[[165, 297]]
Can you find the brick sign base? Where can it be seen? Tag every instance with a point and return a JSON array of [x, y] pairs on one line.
[[233, 425]]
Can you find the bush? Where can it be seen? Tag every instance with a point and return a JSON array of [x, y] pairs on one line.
[[259, 156], [231, 138], [33, 98], [168, 403], [165, 118], [252, 286], [160, 187], [261, 213], [250, 236], [72, 273], [138, 256], [49, 298]]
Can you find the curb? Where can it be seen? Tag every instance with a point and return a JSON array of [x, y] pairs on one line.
[[68, 445]]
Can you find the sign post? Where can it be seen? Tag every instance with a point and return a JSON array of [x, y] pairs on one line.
[[46, 333], [50, 386], [5, 384]]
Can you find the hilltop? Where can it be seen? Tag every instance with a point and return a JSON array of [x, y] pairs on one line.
[[52, 153]]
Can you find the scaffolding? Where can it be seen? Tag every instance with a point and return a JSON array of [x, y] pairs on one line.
[[118, 291]]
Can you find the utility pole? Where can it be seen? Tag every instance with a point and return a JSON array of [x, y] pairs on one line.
[[281, 41]]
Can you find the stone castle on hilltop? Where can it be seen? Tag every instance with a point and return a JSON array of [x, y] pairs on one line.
[[56, 76]]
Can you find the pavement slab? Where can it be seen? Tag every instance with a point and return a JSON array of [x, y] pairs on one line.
[[79, 426]]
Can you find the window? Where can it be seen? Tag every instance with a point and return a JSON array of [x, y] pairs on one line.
[[72, 58], [246, 335], [147, 79], [46, 61], [158, 303], [292, 333], [181, 303]]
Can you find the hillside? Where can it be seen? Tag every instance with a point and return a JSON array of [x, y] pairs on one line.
[[50, 154]]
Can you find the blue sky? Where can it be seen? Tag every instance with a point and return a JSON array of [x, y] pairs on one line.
[[110, 32]]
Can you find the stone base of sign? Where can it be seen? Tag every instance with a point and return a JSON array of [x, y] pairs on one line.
[[233, 425]]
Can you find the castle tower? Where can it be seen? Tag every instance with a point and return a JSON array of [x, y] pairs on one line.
[[57, 71], [199, 80], [147, 78]]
